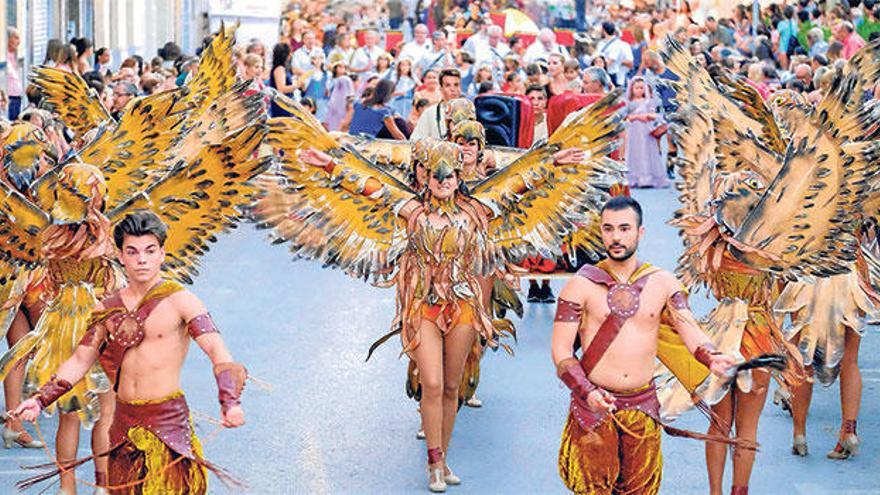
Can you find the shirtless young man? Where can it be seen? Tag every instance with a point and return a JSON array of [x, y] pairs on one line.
[[142, 351], [611, 442]]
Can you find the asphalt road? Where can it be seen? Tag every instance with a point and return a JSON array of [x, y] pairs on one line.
[[336, 424]]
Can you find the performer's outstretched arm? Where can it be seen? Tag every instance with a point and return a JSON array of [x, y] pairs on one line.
[[230, 375]]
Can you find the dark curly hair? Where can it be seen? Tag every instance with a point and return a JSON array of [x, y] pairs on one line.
[[139, 223]]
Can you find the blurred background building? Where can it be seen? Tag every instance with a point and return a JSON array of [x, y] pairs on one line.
[[130, 26]]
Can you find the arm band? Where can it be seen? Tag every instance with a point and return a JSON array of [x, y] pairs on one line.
[[230, 382], [91, 338], [567, 311], [200, 325], [679, 301], [573, 376], [52, 390]]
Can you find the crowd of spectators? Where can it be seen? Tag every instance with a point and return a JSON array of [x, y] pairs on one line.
[[381, 68]]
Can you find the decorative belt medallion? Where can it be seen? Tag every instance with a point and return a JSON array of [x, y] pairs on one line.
[[623, 300], [130, 330]]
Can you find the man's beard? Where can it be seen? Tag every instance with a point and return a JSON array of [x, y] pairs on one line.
[[627, 253]]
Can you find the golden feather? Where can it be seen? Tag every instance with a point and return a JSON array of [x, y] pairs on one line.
[[75, 103], [394, 156], [695, 88], [21, 222], [322, 214], [806, 223], [140, 147], [201, 199]]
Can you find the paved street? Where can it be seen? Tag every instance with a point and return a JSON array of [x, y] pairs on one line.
[[335, 424]]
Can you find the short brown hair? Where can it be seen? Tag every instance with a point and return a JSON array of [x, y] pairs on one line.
[[450, 72]]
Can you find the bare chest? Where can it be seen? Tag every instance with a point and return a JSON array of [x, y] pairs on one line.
[[159, 323], [639, 308]]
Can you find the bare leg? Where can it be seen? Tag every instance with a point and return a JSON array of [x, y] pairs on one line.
[[456, 345], [850, 398], [429, 359], [716, 454], [801, 397], [66, 445], [850, 377], [12, 385], [101, 431], [748, 412]]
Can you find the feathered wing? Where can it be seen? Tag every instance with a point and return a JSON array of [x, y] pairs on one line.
[[536, 203], [68, 95], [806, 223], [695, 164], [391, 155], [140, 147], [865, 65], [394, 156], [202, 198], [322, 214], [695, 88], [738, 150], [752, 105], [21, 222], [216, 73], [219, 100]]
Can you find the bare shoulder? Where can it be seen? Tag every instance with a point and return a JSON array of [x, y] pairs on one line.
[[668, 280], [577, 289], [187, 304]]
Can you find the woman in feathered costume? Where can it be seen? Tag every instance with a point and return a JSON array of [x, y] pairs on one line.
[[436, 244]]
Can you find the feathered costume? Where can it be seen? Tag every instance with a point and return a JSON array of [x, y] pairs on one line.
[[347, 216], [770, 204], [167, 154]]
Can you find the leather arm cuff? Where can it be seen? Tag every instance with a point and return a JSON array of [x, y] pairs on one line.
[[230, 382], [52, 390], [200, 325], [567, 311], [679, 301], [704, 353], [573, 376]]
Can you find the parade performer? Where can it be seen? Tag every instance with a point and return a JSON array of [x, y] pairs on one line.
[[147, 326], [828, 314], [64, 232], [152, 138], [436, 244], [611, 441], [26, 154], [767, 199]]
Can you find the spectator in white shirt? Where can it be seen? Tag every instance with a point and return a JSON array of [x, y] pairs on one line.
[[617, 53], [365, 57], [479, 40], [432, 122], [419, 46], [493, 52], [439, 56], [343, 51], [543, 46], [301, 61]]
